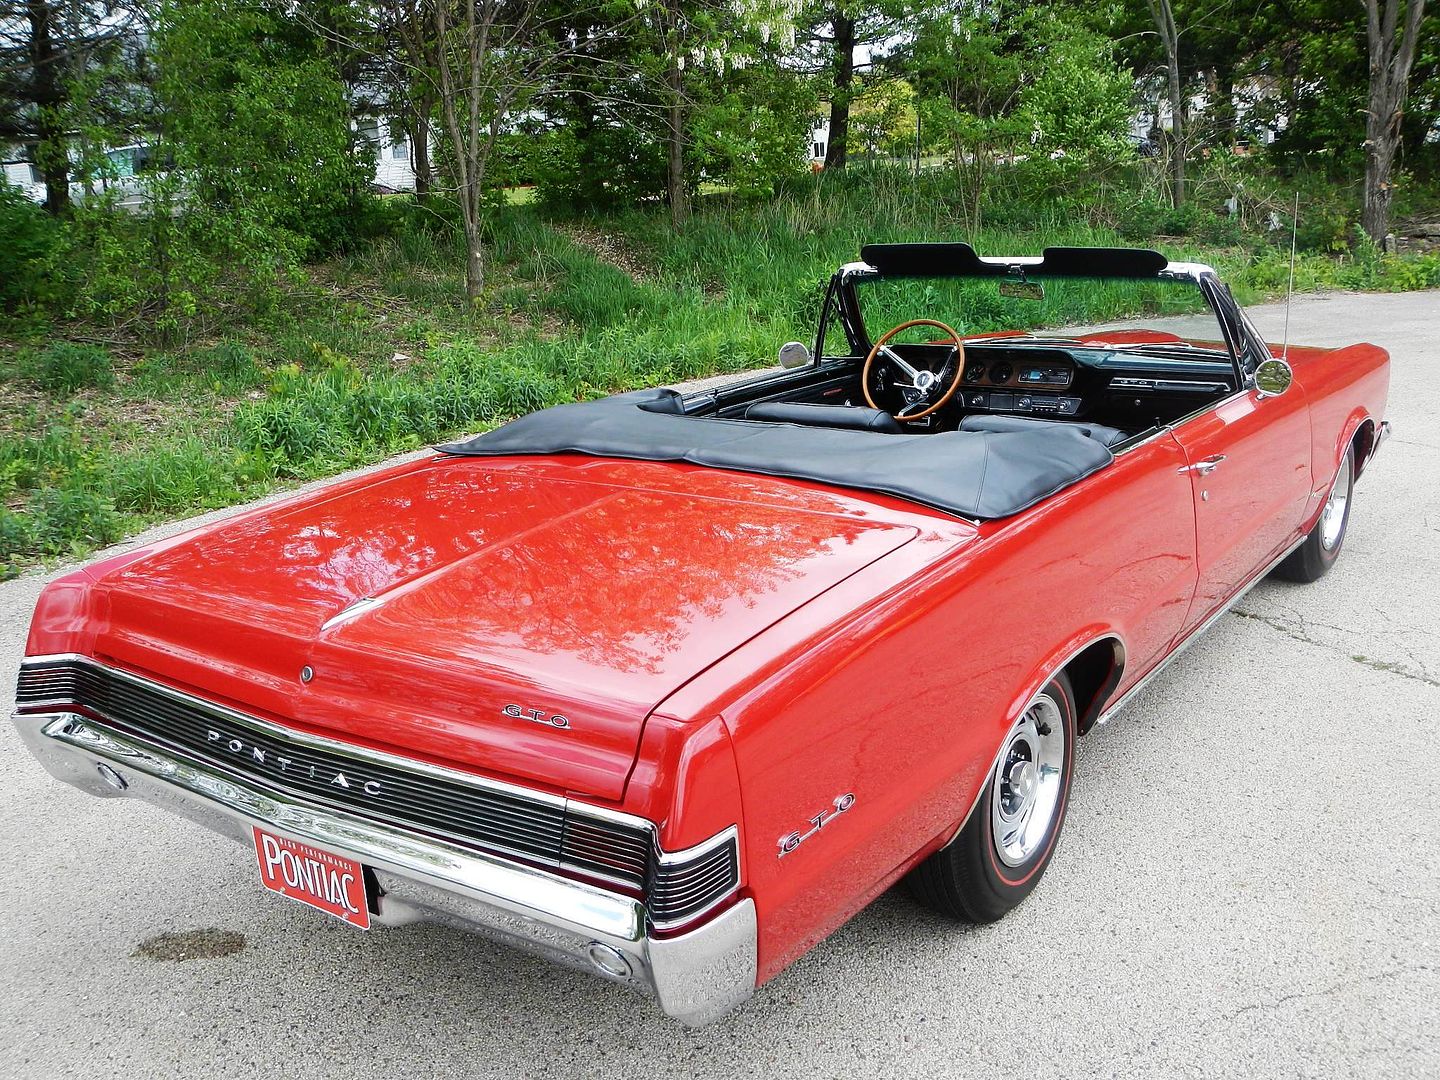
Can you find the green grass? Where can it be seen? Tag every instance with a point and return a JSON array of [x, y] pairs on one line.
[[378, 355]]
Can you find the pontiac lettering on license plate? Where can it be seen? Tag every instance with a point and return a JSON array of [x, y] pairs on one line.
[[322, 879]]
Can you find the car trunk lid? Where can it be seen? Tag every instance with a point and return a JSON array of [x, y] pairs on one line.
[[480, 613]]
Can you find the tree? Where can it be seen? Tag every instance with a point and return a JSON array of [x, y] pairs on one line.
[[1162, 12], [968, 63], [1020, 94], [48, 48], [257, 125], [834, 32], [714, 33], [1392, 44]]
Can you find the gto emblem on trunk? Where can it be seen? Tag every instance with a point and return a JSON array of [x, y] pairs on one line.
[[791, 841], [538, 716]]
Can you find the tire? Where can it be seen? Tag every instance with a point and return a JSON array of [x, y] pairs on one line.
[[1317, 553], [978, 878]]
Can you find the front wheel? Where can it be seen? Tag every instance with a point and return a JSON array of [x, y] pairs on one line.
[[1317, 553], [1005, 846]]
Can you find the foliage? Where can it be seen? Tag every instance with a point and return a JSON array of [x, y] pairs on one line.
[[747, 127], [258, 127], [255, 171], [275, 321], [28, 237], [304, 397], [63, 368]]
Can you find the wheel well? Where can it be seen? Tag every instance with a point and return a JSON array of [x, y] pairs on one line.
[[1094, 673], [1362, 443]]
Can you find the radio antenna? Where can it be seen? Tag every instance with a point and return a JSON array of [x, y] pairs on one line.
[[1290, 288]]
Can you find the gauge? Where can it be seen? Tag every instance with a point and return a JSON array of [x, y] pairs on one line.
[[1000, 372], [974, 372]]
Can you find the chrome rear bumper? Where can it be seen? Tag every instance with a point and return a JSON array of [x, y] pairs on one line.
[[695, 977]]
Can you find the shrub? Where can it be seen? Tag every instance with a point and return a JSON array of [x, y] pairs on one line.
[[64, 367], [67, 519], [28, 237], [16, 538]]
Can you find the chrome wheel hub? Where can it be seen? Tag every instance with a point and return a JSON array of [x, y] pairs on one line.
[[1332, 520], [1026, 783]]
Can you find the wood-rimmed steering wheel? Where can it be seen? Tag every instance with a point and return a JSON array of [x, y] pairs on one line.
[[926, 388]]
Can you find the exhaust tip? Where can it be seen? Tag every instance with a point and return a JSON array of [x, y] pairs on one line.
[[608, 960]]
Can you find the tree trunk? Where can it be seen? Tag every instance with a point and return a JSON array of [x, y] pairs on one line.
[[464, 133], [52, 152], [835, 146], [474, 259], [420, 153], [676, 186], [1225, 119], [1392, 54], [1164, 15]]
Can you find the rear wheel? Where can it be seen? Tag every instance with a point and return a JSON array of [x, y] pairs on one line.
[[1004, 848], [1314, 557]]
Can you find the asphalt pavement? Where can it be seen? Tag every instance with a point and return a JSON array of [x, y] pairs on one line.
[[1248, 883]]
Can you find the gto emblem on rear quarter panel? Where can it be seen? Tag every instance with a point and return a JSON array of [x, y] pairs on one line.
[[790, 841], [538, 716]]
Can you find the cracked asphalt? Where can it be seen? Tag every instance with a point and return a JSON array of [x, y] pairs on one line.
[[1248, 884]]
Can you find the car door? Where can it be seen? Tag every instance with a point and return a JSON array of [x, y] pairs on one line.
[[1249, 468]]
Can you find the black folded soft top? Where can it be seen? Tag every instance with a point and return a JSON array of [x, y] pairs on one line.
[[979, 475]]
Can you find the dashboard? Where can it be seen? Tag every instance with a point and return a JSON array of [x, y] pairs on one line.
[[1005, 380], [1127, 389]]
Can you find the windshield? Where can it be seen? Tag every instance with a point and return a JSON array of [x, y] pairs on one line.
[[1050, 309]]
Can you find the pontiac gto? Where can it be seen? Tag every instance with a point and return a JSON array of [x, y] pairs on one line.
[[667, 687]]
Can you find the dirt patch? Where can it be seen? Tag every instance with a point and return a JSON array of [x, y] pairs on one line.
[[610, 248], [206, 944]]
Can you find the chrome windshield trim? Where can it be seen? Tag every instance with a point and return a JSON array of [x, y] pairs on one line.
[[1192, 272]]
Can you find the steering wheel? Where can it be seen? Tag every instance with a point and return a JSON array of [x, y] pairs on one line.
[[924, 391]]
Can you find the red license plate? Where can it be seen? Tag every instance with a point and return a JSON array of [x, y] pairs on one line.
[[322, 879]]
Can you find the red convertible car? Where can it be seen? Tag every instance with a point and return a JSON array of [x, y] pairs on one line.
[[668, 687]]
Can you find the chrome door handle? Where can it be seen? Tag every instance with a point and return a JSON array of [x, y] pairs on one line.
[[1206, 467]]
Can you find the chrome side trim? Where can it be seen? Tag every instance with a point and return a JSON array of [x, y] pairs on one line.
[[1194, 634], [695, 977]]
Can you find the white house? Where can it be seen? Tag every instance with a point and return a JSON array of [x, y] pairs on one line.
[[25, 176], [394, 168]]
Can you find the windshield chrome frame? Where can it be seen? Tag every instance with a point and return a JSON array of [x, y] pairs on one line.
[[1228, 316]]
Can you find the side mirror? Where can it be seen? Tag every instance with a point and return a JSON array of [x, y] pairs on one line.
[[1273, 378], [794, 354]]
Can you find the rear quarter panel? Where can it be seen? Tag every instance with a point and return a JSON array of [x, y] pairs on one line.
[[897, 686], [1346, 388]]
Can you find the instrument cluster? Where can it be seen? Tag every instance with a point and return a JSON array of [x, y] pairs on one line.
[[1019, 369]]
